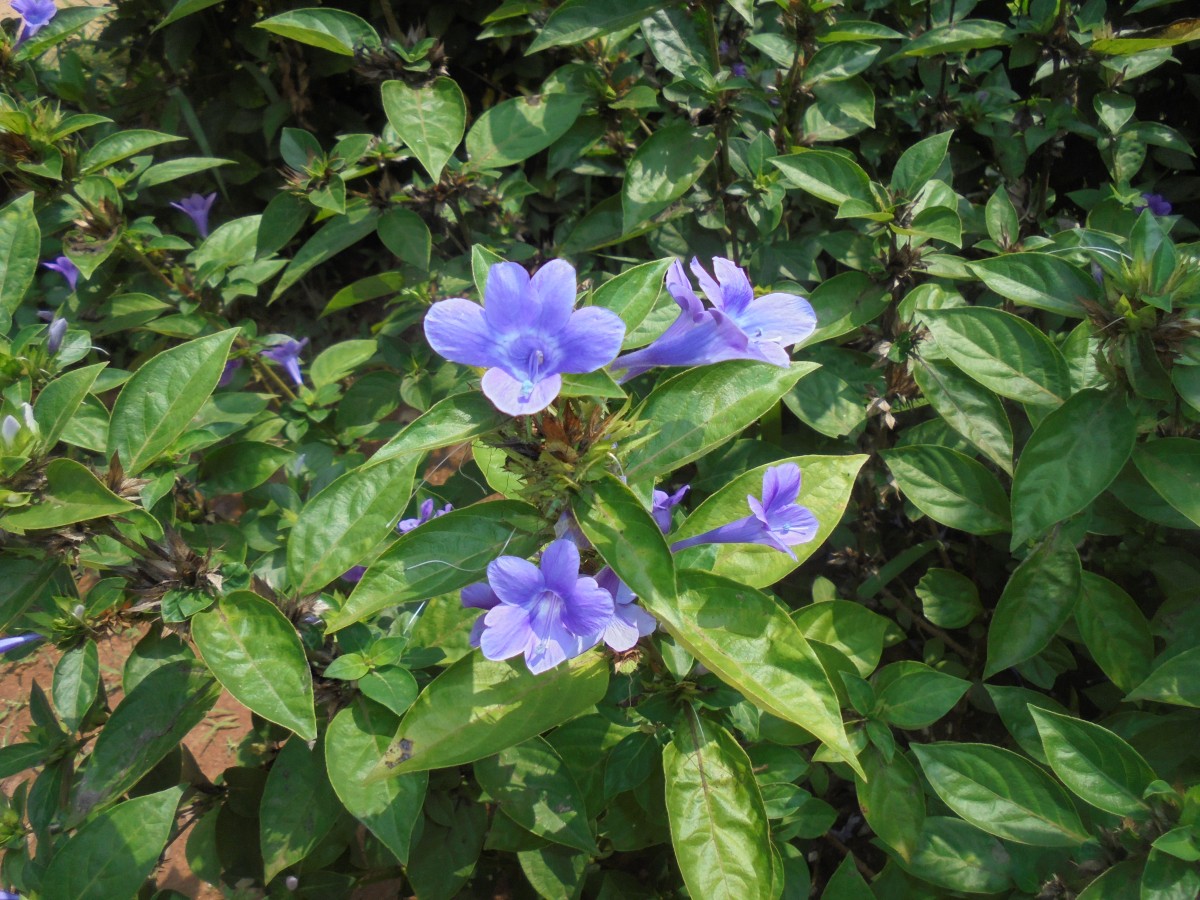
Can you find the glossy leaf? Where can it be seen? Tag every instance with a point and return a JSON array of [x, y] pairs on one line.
[[1001, 793], [1172, 466], [1063, 467], [514, 130], [1041, 281], [892, 801], [20, 240], [355, 744], [256, 654], [448, 725], [826, 175], [1176, 681], [442, 555], [334, 30], [455, 420], [633, 293], [719, 826], [340, 525], [950, 488], [430, 119], [663, 168], [958, 856], [298, 806], [158, 402], [911, 695], [76, 681], [575, 21], [1036, 603], [968, 407], [1114, 631], [73, 494], [58, 401]]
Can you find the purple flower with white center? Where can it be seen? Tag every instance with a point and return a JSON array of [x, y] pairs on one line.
[[54, 335], [738, 69], [67, 269], [1156, 203], [36, 15], [664, 503], [426, 512], [527, 334], [231, 366], [354, 574], [550, 614], [196, 208], [777, 521], [20, 640], [738, 325], [287, 354], [629, 621]]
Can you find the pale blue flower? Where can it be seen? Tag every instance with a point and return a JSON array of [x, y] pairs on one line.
[[527, 335], [36, 14], [664, 503], [20, 640], [64, 267], [548, 613], [197, 208], [738, 325], [629, 622], [54, 335], [287, 354]]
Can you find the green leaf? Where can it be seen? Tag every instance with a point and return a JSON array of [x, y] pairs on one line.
[[967, 34], [699, 409], [1176, 681], [17, 758], [147, 724], [969, 408], [826, 482], [455, 420], [20, 241], [407, 236], [1001, 793], [1172, 466], [851, 628], [536, 790], [1036, 603], [950, 488], [336, 235], [955, 855], [1000, 216], [76, 681], [1114, 631], [1063, 467], [554, 871], [185, 8], [1117, 883], [121, 145], [575, 21], [846, 883], [1094, 763], [239, 467], [441, 556], [355, 743], [948, 599], [1039, 280], [339, 526], [334, 30], [339, 360], [633, 293], [1167, 877], [719, 826], [892, 801], [919, 163], [114, 853], [826, 175], [69, 21], [298, 807], [845, 302], [911, 695], [1014, 705], [256, 654], [662, 169], [73, 494], [1002, 352], [514, 130], [430, 119], [58, 401], [478, 707], [157, 403]]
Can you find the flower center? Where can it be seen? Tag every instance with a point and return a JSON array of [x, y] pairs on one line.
[[533, 369]]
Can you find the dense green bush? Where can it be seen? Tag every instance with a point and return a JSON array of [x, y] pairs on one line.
[[243, 419]]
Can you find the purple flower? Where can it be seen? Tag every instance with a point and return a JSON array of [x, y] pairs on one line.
[[54, 335], [67, 269], [287, 355], [196, 207], [1156, 203], [664, 503], [36, 14], [777, 521], [527, 334], [427, 512], [20, 640], [354, 574], [629, 622], [738, 69], [231, 366], [737, 325], [549, 614], [568, 527]]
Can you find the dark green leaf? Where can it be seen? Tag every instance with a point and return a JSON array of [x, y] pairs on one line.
[[950, 488], [513, 130], [335, 30], [575, 21], [76, 681], [1114, 631], [20, 240], [1172, 466], [430, 119], [73, 494], [968, 407], [298, 807], [662, 169], [455, 420]]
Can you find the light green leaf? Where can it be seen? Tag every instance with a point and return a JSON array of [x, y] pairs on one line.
[[826, 175], [58, 401], [948, 599], [633, 293], [334, 30], [967, 34], [911, 695], [1176, 681], [919, 163], [719, 826], [958, 856], [455, 420], [1002, 793], [157, 403], [336, 235], [1039, 280], [72, 494], [514, 130], [20, 241], [478, 707], [185, 8], [76, 681], [339, 360], [892, 801], [121, 145], [430, 119], [950, 487], [256, 654], [662, 169]]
